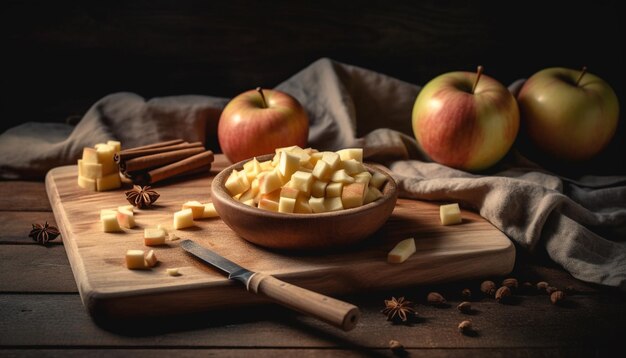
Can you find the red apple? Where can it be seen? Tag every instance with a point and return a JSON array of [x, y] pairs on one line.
[[465, 120], [258, 121], [569, 114]]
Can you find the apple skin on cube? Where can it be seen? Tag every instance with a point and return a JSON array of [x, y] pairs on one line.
[[125, 219], [352, 195], [402, 251]]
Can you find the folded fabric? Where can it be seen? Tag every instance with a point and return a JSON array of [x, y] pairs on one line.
[[580, 223]]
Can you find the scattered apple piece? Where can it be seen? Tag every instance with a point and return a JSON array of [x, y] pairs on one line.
[[183, 219], [135, 259], [125, 218], [209, 211], [173, 271], [402, 251], [110, 224], [153, 236], [197, 208], [450, 214], [151, 259]]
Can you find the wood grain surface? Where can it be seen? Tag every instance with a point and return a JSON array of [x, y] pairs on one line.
[[42, 314], [473, 249]]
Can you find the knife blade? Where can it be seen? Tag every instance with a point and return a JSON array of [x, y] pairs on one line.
[[338, 313]]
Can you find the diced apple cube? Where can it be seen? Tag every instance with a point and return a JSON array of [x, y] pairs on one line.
[[183, 219], [267, 204], [87, 183], [318, 188], [117, 145], [235, 184], [371, 195], [269, 182], [266, 165], [135, 259], [288, 164], [173, 271], [286, 205], [110, 224], [351, 153], [108, 182], [153, 236], [252, 167], [333, 204], [302, 181], [334, 190], [209, 211], [341, 176], [197, 208], [315, 157], [107, 212], [317, 204], [450, 214], [402, 251], [378, 180], [352, 195], [351, 166], [151, 259], [332, 159], [105, 157], [90, 155], [363, 177], [125, 218], [322, 170], [89, 170], [302, 206]]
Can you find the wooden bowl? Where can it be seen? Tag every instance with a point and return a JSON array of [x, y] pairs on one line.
[[302, 231]]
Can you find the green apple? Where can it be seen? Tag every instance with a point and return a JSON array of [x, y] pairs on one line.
[[258, 121], [465, 120], [568, 114]]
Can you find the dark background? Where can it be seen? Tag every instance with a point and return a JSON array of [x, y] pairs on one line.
[[59, 57]]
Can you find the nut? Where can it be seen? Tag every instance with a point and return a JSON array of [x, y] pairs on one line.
[[541, 286], [488, 288], [435, 299], [465, 327], [510, 283], [466, 294], [464, 307], [551, 289], [503, 294], [395, 346], [557, 297]]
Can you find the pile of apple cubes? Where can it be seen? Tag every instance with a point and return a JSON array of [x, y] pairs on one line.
[[306, 181], [97, 169]]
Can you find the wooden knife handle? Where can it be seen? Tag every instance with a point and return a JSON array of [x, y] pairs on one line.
[[338, 313]]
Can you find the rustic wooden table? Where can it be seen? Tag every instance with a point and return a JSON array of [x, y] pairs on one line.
[[41, 313]]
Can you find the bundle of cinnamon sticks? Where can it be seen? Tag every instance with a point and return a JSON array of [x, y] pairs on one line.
[[152, 163]]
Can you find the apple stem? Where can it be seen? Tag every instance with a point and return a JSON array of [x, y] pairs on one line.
[[260, 90], [582, 73], [479, 72]]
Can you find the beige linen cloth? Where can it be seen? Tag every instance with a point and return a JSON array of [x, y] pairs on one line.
[[581, 224]]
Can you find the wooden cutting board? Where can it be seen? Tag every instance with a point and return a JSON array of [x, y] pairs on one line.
[[473, 249]]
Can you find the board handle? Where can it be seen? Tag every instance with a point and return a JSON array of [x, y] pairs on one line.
[[338, 313]]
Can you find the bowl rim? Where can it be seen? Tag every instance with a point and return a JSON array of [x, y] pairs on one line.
[[389, 192]]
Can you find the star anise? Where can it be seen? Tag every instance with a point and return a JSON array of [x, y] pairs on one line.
[[43, 233], [141, 196], [399, 309]]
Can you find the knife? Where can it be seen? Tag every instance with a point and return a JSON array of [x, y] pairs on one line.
[[338, 313]]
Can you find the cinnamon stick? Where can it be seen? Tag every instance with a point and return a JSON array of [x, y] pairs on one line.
[[156, 145], [128, 154], [201, 160], [158, 159]]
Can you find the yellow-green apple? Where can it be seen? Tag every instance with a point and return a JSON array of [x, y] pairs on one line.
[[465, 120], [568, 114], [258, 121]]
